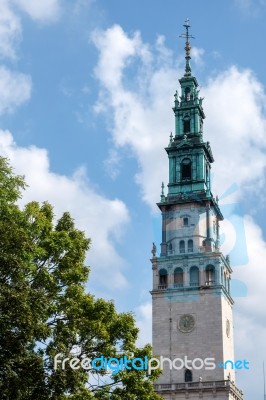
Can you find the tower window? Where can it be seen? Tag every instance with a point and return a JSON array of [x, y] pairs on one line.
[[188, 375], [182, 246], [186, 169], [185, 221], [187, 93], [194, 276], [186, 125], [178, 277], [163, 279], [190, 246], [210, 275]]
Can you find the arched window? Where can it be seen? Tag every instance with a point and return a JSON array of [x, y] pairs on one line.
[[178, 277], [170, 248], [186, 169], [188, 375], [210, 275], [182, 246], [187, 93], [190, 246], [186, 125], [185, 221], [163, 279], [194, 276]]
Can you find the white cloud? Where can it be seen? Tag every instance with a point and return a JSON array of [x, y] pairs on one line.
[[138, 118], [197, 55], [10, 30], [40, 10], [236, 127], [112, 163], [10, 24], [103, 219], [15, 89], [144, 323], [114, 58]]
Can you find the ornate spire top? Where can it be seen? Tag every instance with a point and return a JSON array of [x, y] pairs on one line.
[[187, 36]]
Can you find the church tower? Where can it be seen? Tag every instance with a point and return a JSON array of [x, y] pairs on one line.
[[191, 300]]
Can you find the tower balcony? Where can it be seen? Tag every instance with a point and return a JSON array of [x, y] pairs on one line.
[[189, 285], [187, 388]]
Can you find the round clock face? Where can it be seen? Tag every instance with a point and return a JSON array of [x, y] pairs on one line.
[[227, 327], [186, 323]]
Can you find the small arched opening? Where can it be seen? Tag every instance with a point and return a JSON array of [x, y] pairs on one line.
[[190, 246], [210, 275], [194, 276], [182, 246], [163, 278], [186, 169], [187, 94], [178, 277], [188, 375]]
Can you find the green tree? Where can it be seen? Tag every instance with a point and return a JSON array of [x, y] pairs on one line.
[[45, 310]]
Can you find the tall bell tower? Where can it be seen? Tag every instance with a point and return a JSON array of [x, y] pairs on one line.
[[191, 300]]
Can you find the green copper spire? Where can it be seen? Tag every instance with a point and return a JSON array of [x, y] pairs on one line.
[[187, 36], [190, 157]]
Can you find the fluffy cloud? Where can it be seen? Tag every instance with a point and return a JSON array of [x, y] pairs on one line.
[[15, 89], [10, 30], [139, 120], [114, 58], [41, 10], [235, 108], [10, 24], [144, 323], [197, 55], [102, 219]]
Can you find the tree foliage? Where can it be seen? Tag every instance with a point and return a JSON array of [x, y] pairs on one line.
[[45, 310]]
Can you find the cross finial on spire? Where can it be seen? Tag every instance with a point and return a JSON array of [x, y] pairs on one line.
[[187, 36]]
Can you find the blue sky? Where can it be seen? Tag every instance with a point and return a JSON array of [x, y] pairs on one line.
[[85, 110]]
